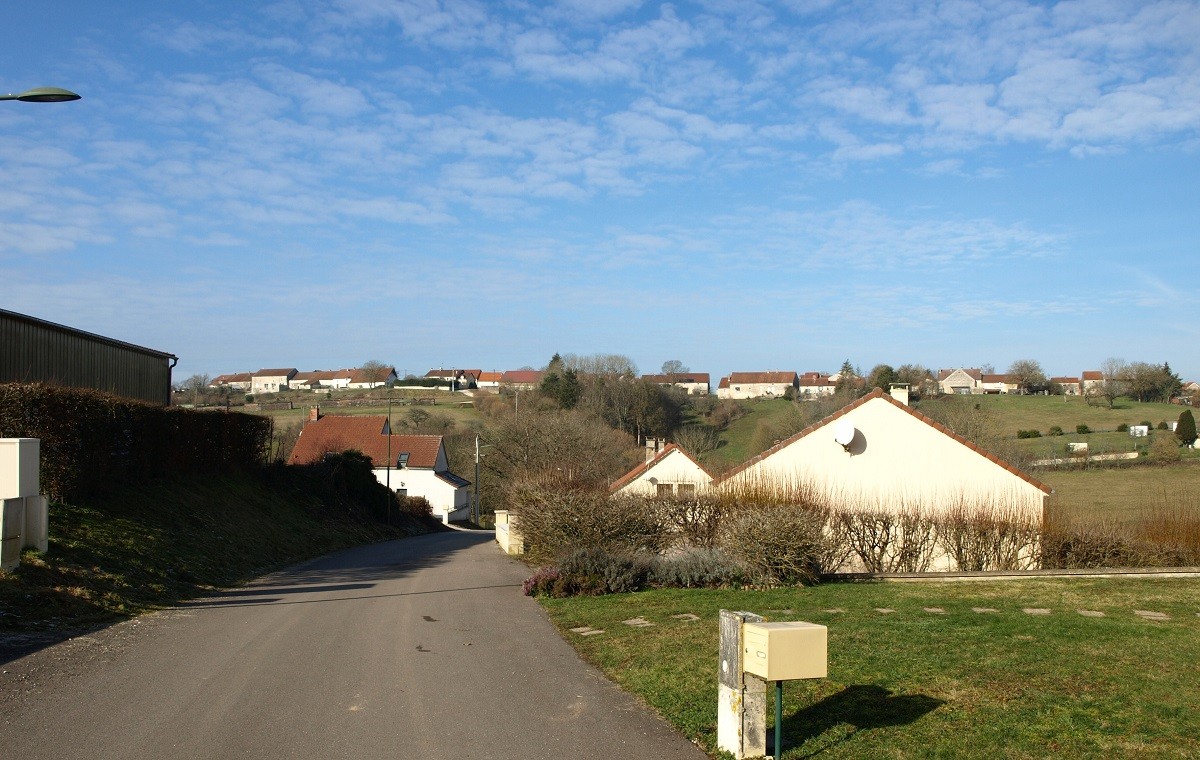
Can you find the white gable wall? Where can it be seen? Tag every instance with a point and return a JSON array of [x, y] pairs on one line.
[[898, 461], [674, 468]]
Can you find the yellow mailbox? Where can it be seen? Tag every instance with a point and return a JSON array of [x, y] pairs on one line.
[[785, 651]]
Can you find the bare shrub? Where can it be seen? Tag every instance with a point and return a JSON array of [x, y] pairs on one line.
[[982, 537], [693, 522], [886, 541], [699, 568], [697, 439], [593, 571], [725, 412], [781, 543], [559, 516]]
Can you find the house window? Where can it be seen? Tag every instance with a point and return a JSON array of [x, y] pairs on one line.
[[686, 490], [402, 493], [664, 489]]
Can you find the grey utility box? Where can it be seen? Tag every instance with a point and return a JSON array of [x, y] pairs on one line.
[[785, 651]]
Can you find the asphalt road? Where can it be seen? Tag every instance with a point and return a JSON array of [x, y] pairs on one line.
[[422, 648]]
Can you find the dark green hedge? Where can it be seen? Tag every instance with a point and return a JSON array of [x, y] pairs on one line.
[[93, 442]]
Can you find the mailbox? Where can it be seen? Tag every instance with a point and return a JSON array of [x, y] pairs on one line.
[[785, 651]]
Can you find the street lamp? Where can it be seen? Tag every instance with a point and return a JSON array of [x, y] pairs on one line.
[[43, 95]]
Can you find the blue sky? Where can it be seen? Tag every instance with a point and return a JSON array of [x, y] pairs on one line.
[[737, 185]]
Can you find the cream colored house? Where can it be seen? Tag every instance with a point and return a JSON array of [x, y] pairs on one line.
[[877, 453], [815, 385], [1070, 385], [667, 471], [271, 380], [960, 381], [757, 384], [1092, 381], [993, 383]]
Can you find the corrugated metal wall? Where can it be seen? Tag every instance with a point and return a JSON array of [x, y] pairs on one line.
[[35, 351]]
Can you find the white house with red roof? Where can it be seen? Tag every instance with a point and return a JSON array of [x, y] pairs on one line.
[[410, 465], [877, 453], [757, 384], [815, 385], [668, 471]]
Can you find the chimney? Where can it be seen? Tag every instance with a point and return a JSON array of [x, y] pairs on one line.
[[314, 414], [654, 446], [899, 392]]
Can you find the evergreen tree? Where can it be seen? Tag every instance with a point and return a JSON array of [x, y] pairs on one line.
[[1185, 429]]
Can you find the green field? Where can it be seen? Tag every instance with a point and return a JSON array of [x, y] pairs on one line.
[[914, 683]]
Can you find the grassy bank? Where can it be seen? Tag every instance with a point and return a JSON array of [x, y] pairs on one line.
[[917, 683], [151, 546]]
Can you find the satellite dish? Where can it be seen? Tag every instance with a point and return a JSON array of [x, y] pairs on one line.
[[843, 434]]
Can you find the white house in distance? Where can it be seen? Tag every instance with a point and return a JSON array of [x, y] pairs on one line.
[[1070, 385], [418, 462], [271, 380], [877, 453], [668, 471], [961, 381], [237, 381], [815, 385], [695, 383], [757, 384]]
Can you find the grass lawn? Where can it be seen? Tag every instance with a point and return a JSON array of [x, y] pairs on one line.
[[916, 684], [1043, 412], [1124, 493], [738, 441]]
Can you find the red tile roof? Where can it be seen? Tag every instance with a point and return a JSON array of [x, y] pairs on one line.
[[811, 379], [878, 393], [524, 376], [638, 471], [1093, 374], [236, 377], [995, 379], [276, 372], [1065, 380], [336, 433], [723, 384], [974, 373], [490, 377]]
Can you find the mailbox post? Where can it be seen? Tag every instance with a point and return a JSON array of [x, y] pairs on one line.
[[762, 652]]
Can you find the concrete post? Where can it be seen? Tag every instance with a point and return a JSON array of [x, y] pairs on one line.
[[741, 697]]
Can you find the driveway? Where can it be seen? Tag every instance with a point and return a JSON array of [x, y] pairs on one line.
[[421, 648]]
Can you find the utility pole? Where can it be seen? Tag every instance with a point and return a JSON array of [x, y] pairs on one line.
[[478, 510], [388, 503]]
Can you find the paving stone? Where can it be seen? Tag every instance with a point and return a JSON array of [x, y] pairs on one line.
[[834, 611], [587, 630], [935, 610], [1148, 615], [1091, 613], [637, 622], [1035, 611], [982, 610], [884, 610], [686, 616]]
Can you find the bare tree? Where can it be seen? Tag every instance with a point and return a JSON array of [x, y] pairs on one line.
[[697, 440], [673, 367], [1027, 374], [1116, 374]]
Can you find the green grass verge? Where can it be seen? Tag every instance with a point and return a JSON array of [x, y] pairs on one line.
[[148, 547], [916, 684]]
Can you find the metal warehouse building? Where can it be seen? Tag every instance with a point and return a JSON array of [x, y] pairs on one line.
[[35, 351]]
